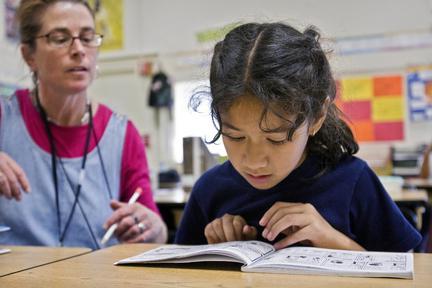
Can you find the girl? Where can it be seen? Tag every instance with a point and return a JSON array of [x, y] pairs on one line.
[[291, 177]]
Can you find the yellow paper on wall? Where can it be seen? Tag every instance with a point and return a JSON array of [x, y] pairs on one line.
[[109, 22], [358, 88], [387, 109]]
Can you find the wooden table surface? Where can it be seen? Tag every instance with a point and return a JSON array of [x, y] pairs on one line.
[[25, 257], [410, 195], [419, 183], [96, 269], [179, 197], [171, 197]]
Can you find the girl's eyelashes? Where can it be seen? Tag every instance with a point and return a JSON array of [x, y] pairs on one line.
[[240, 138], [233, 138], [278, 142]]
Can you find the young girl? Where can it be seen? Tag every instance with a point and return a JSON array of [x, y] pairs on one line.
[[291, 177]]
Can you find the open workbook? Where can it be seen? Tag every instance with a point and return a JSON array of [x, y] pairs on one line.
[[262, 257]]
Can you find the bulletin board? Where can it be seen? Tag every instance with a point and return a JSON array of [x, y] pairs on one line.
[[419, 82], [374, 106]]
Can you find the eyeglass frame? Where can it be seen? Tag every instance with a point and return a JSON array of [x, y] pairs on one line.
[[72, 39]]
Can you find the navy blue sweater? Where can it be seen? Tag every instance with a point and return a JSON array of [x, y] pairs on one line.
[[350, 197]]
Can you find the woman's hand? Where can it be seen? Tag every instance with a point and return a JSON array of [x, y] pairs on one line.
[[302, 223], [136, 223], [12, 178], [229, 228]]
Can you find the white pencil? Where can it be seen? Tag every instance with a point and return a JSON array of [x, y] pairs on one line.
[[113, 227]]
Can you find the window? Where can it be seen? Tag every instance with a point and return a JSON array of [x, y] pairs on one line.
[[189, 123]]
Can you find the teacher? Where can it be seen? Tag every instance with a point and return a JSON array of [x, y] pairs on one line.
[[78, 161]]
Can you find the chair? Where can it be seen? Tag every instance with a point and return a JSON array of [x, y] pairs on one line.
[[410, 210]]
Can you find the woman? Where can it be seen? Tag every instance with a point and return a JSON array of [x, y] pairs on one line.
[[80, 160]]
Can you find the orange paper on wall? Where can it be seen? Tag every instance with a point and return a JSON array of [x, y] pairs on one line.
[[387, 85], [363, 130]]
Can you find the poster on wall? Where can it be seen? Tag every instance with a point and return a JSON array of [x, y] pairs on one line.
[[374, 106], [419, 90], [11, 27], [109, 23]]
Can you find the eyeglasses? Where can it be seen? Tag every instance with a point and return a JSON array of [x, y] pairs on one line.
[[62, 39]]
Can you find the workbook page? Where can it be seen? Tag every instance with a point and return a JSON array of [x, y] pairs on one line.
[[236, 251], [338, 261]]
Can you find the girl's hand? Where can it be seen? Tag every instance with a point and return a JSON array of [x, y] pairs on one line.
[[302, 223], [136, 223], [12, 178], [229, 228]]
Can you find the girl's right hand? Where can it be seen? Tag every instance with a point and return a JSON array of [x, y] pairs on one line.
[[229, 228], [12, 178]]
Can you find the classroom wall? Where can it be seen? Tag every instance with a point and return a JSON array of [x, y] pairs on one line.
[[185, 59], [11, 67], [337, 18], [164, 32]]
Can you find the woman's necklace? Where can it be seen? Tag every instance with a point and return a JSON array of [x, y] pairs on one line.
[[84, 119]]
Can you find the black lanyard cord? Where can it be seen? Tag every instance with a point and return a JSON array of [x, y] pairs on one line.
[[53, 158], [102, 164], [81, 176], [92, 234], [54, 170], [81, 209]]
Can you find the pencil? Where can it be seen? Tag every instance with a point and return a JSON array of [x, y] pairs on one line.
[[113, 227]]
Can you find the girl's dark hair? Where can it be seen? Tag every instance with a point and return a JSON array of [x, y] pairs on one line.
[[289, 73]]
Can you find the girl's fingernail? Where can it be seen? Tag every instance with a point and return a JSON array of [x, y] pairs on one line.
[[270, 236]]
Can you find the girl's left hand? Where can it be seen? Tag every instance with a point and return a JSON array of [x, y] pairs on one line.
[[136, 223], [302, 223]]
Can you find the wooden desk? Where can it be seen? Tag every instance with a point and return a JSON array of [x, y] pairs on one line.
[[419, 183], [410, 195], [177, 197], [25, 257], [171, 197], [96, 270]]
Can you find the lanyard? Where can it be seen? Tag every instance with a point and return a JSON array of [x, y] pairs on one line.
[[81, 177]]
